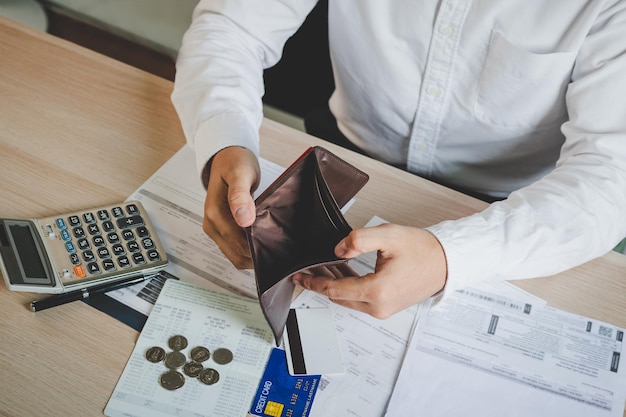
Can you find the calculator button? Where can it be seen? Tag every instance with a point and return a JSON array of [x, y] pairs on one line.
[[133, 246], [128, 235], [153, 255], [132, 209], [108, 265], [61, 224], [93, 229], [79, 271], [104, 253], [118, 250], [93, 268], [147, 243], [74, 221], [74, 259], [142, 231], [89, 218], [78, 232], [138, 258], [66, 274], [83, 244], [128, 222], [123, 262], [98, 241], [113, 238], [117, 212], [65, 235], [69, 246], [103, 215], [107, 226], [88, 256]]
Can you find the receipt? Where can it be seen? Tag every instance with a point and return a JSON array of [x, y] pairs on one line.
[[479, 353]]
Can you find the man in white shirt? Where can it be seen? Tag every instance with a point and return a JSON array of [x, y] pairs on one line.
[[514, 100]]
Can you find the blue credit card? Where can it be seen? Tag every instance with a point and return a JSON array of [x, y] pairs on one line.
[[281, 394]]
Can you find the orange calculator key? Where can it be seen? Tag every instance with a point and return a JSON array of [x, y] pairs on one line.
[[79, 271]]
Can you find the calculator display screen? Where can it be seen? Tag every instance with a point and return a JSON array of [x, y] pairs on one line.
[[28, 253]]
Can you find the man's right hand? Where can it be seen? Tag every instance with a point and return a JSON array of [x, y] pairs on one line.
[[229, 205]]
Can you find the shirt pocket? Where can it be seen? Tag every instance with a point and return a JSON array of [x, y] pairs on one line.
[[518, 88]]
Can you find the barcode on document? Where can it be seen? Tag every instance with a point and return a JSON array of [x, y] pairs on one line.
[[489, 299]]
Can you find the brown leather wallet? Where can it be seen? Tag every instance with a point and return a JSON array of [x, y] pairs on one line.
[[298, 224]]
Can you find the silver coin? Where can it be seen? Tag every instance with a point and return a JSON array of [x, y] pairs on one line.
[[175, 359], [193, 369], [177, 342], [199, 354], [222, 356], [155, 354], [172, 380], [209, 376]]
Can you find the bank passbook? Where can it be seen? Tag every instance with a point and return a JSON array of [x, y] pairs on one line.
[[77, 250]]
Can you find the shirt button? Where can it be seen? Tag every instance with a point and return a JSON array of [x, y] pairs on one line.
[[420, 146], [434, 91], [446, 30]]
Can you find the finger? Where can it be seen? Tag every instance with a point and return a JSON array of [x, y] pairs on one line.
[[232, 242], [360, 241], [352, 292], [345, 289], [229, 205], [221, 227], [235, 174]]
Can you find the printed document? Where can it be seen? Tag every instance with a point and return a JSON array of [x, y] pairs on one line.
[[480, 354]]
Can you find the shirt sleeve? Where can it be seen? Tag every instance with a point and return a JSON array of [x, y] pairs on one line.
[[219, 70], [578, 211]]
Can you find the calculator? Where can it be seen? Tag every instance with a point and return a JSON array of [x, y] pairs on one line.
[[76, 250]]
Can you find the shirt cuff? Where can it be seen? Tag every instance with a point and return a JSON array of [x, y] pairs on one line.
[[222, 131], [462, 241]]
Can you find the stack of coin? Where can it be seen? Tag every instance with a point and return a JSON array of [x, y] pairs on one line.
[[173, 379]]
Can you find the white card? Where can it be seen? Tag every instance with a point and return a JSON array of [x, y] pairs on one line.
[[311, 342]]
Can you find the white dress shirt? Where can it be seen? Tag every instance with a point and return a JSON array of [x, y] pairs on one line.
[[523, 100]]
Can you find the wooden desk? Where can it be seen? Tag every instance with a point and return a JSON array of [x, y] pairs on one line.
[[78, 130]]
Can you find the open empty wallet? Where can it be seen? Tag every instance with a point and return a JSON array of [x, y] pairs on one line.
[[298, 224]]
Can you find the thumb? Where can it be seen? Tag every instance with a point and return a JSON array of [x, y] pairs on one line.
[[241, 204], [239, 170]]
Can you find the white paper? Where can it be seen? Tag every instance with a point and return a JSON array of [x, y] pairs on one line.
[[206, 318], [478, 354]]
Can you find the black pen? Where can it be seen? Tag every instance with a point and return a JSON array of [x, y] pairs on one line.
[[68, 297]]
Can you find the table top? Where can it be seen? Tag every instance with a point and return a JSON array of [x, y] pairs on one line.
[[82, 130]]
